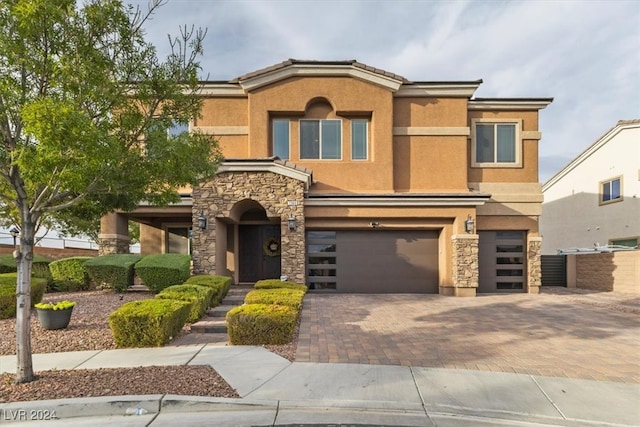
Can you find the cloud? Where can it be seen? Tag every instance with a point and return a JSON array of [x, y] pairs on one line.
[[584, 53]]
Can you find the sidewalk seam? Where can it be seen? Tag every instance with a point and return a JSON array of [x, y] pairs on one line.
[[86, 360], [548, 397], [195, 354], [267, 381], [424, 406]]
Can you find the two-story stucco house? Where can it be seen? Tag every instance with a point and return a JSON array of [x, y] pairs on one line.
[[352, 179], [595, 199]]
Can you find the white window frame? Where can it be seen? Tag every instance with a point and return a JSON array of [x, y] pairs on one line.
[[517, 141], [366, 139], [609, 182], [320, 136]]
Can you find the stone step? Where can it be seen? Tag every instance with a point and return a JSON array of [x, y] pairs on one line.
[[220, 311], [210, 325], [233, 300]]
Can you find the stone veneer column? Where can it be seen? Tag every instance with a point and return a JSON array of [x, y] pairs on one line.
[[114, 234], [464, 266], [279, 195], [534, 265]]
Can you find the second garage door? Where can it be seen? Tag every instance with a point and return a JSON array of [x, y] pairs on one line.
[[384, 261]]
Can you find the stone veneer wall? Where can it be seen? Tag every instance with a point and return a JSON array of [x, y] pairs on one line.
[[616, 271], [113, 245], [534, 265], [217, 197], [465, 261]]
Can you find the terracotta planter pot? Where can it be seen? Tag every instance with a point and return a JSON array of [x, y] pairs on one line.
[[54, 319]]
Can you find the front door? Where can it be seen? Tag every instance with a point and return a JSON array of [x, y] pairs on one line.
[[259, 252]]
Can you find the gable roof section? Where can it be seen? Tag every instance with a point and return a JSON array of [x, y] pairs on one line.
[[306, 68], [593, 148], [269, 164]]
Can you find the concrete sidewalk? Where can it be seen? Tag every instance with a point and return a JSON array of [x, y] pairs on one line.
[[275, 391]]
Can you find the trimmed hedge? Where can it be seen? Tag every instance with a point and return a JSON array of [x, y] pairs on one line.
[[40, 265], [114, 271], [198, 296], [70, 274], [8, 293], [219, 284], [283, 296], [258, 324], [159, 271], [148, 323], [279, 284]]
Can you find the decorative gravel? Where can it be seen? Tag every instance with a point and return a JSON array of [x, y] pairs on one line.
[[89, 330]]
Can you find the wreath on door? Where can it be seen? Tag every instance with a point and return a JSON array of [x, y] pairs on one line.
[[271, 247]]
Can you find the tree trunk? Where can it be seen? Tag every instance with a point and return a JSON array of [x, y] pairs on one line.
[[24, 261]]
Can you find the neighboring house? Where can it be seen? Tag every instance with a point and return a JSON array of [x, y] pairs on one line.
[[595, 200], [352, 179]]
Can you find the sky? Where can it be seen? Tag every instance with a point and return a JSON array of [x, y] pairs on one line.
[[584, 54]]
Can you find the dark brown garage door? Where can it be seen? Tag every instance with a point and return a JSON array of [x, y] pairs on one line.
[[374, 261]]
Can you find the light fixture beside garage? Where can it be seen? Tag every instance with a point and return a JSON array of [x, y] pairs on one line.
[[202, 221], [469, 224]]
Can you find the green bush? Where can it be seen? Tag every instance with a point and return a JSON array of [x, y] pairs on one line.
[[113, 271], [198, 296], [8, 293], [279, 284], [39, 268], [219, 284], [148, 323], [283, 296], [162, 270], [69, 274], [257, 324]]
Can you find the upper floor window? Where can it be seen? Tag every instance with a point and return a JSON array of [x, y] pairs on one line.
[[281, 138], [359, 139], [496, 143], [177, 128], [320, 139], [611, 190]]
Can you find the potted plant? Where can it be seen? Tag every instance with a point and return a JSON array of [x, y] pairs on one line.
[[55, 315]]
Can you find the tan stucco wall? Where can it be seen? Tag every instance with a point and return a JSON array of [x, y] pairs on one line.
[[151, 240], [428, 112], [430, 163], [222, 111]]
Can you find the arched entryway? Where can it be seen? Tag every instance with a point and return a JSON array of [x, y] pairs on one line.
[[259, 242]]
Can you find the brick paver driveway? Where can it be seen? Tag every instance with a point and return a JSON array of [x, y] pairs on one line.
[[560, 332]]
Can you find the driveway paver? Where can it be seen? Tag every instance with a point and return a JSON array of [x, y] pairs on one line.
[[559, 333]]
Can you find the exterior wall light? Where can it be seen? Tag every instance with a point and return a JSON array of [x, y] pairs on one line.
[[14, 233], [202, 222], [469, 224], [292, 223]]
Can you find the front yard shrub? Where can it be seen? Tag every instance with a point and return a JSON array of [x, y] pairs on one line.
[[163, 270], [113, 271], [148, 323], [278, 284], [257, 324], [283, 296], [198, 296], [220, 285], [39, 268], [69, 274], [8, 293]]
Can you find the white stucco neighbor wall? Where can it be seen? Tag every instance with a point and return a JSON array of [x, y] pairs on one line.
[[572, 216]]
